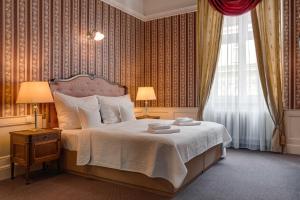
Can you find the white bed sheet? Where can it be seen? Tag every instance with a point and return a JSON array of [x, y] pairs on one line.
[[127, 146], [70, 139]]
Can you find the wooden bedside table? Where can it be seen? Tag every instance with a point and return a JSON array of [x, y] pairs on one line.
[[147, 117], [30, 147]]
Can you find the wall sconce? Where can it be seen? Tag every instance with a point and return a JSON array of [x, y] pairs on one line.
[[95, 35]]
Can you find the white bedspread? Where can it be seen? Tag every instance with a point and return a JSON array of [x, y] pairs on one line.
[[127, 146]]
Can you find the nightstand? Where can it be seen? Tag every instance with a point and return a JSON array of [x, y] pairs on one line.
[[31, 147], [147, 117]]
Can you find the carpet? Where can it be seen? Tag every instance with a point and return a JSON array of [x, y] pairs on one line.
[[243, 175]]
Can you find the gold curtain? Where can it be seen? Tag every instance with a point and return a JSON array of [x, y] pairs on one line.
[[267, 35], [209, 31]]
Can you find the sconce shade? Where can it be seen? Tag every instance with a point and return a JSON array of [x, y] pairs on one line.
[[34, 92], [98, 36], [145, 93]]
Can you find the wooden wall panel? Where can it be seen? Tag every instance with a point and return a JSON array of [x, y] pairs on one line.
[[41, 40]]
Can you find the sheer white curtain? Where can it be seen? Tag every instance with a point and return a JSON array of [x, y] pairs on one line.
[[236, 98]]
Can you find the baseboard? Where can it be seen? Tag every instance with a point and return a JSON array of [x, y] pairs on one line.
[[293, 149], [4, 167]]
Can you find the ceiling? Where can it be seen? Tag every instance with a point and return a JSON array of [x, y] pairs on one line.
[[153, 9]]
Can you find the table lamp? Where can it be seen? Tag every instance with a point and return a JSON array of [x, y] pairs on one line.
[[34, 93], [145, 94]]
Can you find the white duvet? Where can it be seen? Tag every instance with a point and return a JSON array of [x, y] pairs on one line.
[[127, 146]]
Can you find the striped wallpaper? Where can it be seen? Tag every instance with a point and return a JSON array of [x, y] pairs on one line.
[[170, 60], [41, 40], [291, 54]]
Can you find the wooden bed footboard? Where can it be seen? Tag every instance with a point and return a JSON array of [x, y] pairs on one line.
[[195, 167]]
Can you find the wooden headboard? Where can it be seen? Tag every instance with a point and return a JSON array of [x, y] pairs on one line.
[[82, 86]]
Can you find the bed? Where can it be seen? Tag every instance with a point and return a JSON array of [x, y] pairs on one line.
[[162, 164]]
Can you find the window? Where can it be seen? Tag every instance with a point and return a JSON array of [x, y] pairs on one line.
[[236, 98]]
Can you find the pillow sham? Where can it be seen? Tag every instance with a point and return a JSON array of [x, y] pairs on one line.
[[110, 112], [89, 116], [127, 111], [66, 108]]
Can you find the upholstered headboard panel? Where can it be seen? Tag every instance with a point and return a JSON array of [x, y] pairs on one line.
[[82, 86], [87, 85]]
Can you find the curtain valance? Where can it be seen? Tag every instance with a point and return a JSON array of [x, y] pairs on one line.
[[233, 7]]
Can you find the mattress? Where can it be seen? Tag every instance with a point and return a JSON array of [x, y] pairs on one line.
[[128, 146]]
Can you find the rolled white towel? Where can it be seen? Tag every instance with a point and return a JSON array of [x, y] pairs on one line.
[[163, 131], [184, 119], [194, 123], [158, 126]]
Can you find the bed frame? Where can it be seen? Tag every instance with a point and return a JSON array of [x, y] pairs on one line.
[[87, 85]]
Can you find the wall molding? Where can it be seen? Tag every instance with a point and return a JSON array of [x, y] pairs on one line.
[[16, 121], [170, 13], [154, 16], [125, 9]]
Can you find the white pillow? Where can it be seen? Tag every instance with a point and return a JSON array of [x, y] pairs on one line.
[[110, 112], [89, 116], [66, 108], [127, 111]]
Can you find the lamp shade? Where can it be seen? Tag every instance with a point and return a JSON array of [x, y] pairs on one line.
[[145, 93], [34, 92]]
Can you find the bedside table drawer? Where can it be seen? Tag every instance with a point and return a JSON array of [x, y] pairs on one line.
[[46, 150], [45, 137]]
